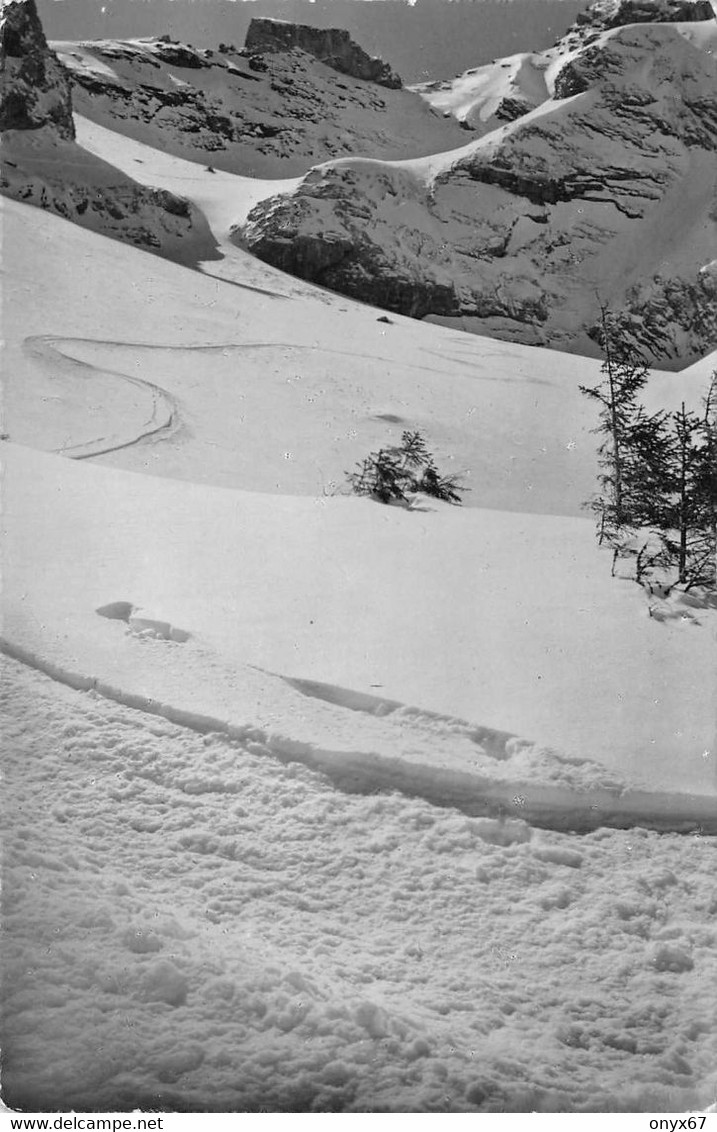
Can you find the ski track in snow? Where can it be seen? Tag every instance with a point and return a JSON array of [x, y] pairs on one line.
[[163, 422]]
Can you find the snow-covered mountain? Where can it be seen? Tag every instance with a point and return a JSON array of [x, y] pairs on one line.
[[271, 109], [486, 97], [590, 181], [597, 188]]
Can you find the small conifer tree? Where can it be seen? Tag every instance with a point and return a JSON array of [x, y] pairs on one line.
[[391, 474], [689, 499], [625, 375]]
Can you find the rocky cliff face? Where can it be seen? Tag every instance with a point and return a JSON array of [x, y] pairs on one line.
[[34, 87], [332, 46], [43, 166], [603, 194]]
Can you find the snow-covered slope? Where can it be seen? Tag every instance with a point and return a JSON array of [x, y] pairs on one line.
[[483, 98], [603, 192], [262, 113]]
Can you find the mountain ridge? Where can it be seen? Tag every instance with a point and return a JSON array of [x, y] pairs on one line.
[[269, 112], [426, 40]]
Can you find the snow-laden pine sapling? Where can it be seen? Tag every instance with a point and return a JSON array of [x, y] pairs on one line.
[[658, 500], [392, 474], [688, 526]]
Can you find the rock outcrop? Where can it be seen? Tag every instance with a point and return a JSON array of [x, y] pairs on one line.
[[100, 198], [332, 46], [34, 86], [607, 189], [510, 109], [43, 165]]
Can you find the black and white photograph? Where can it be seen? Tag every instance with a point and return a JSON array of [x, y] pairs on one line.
[[358, 554]]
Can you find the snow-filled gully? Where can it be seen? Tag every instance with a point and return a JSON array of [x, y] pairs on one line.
[[365, 772]]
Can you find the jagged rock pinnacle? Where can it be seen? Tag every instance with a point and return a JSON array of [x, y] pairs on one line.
[[34, 87]]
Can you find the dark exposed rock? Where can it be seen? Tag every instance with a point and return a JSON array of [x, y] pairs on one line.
[[143, 102], [174, 205], [258, 63], [536, 183], [179, 55], [153, 219], [34, 87], [332, 46], [571, 79], [510, 109], [662, 315]]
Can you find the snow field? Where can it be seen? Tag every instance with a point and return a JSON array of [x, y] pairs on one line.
[[195, 927]]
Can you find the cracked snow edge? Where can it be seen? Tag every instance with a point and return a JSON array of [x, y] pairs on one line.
[[549, 807]]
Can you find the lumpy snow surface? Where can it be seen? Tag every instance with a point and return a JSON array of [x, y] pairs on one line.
[[194, 926]]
